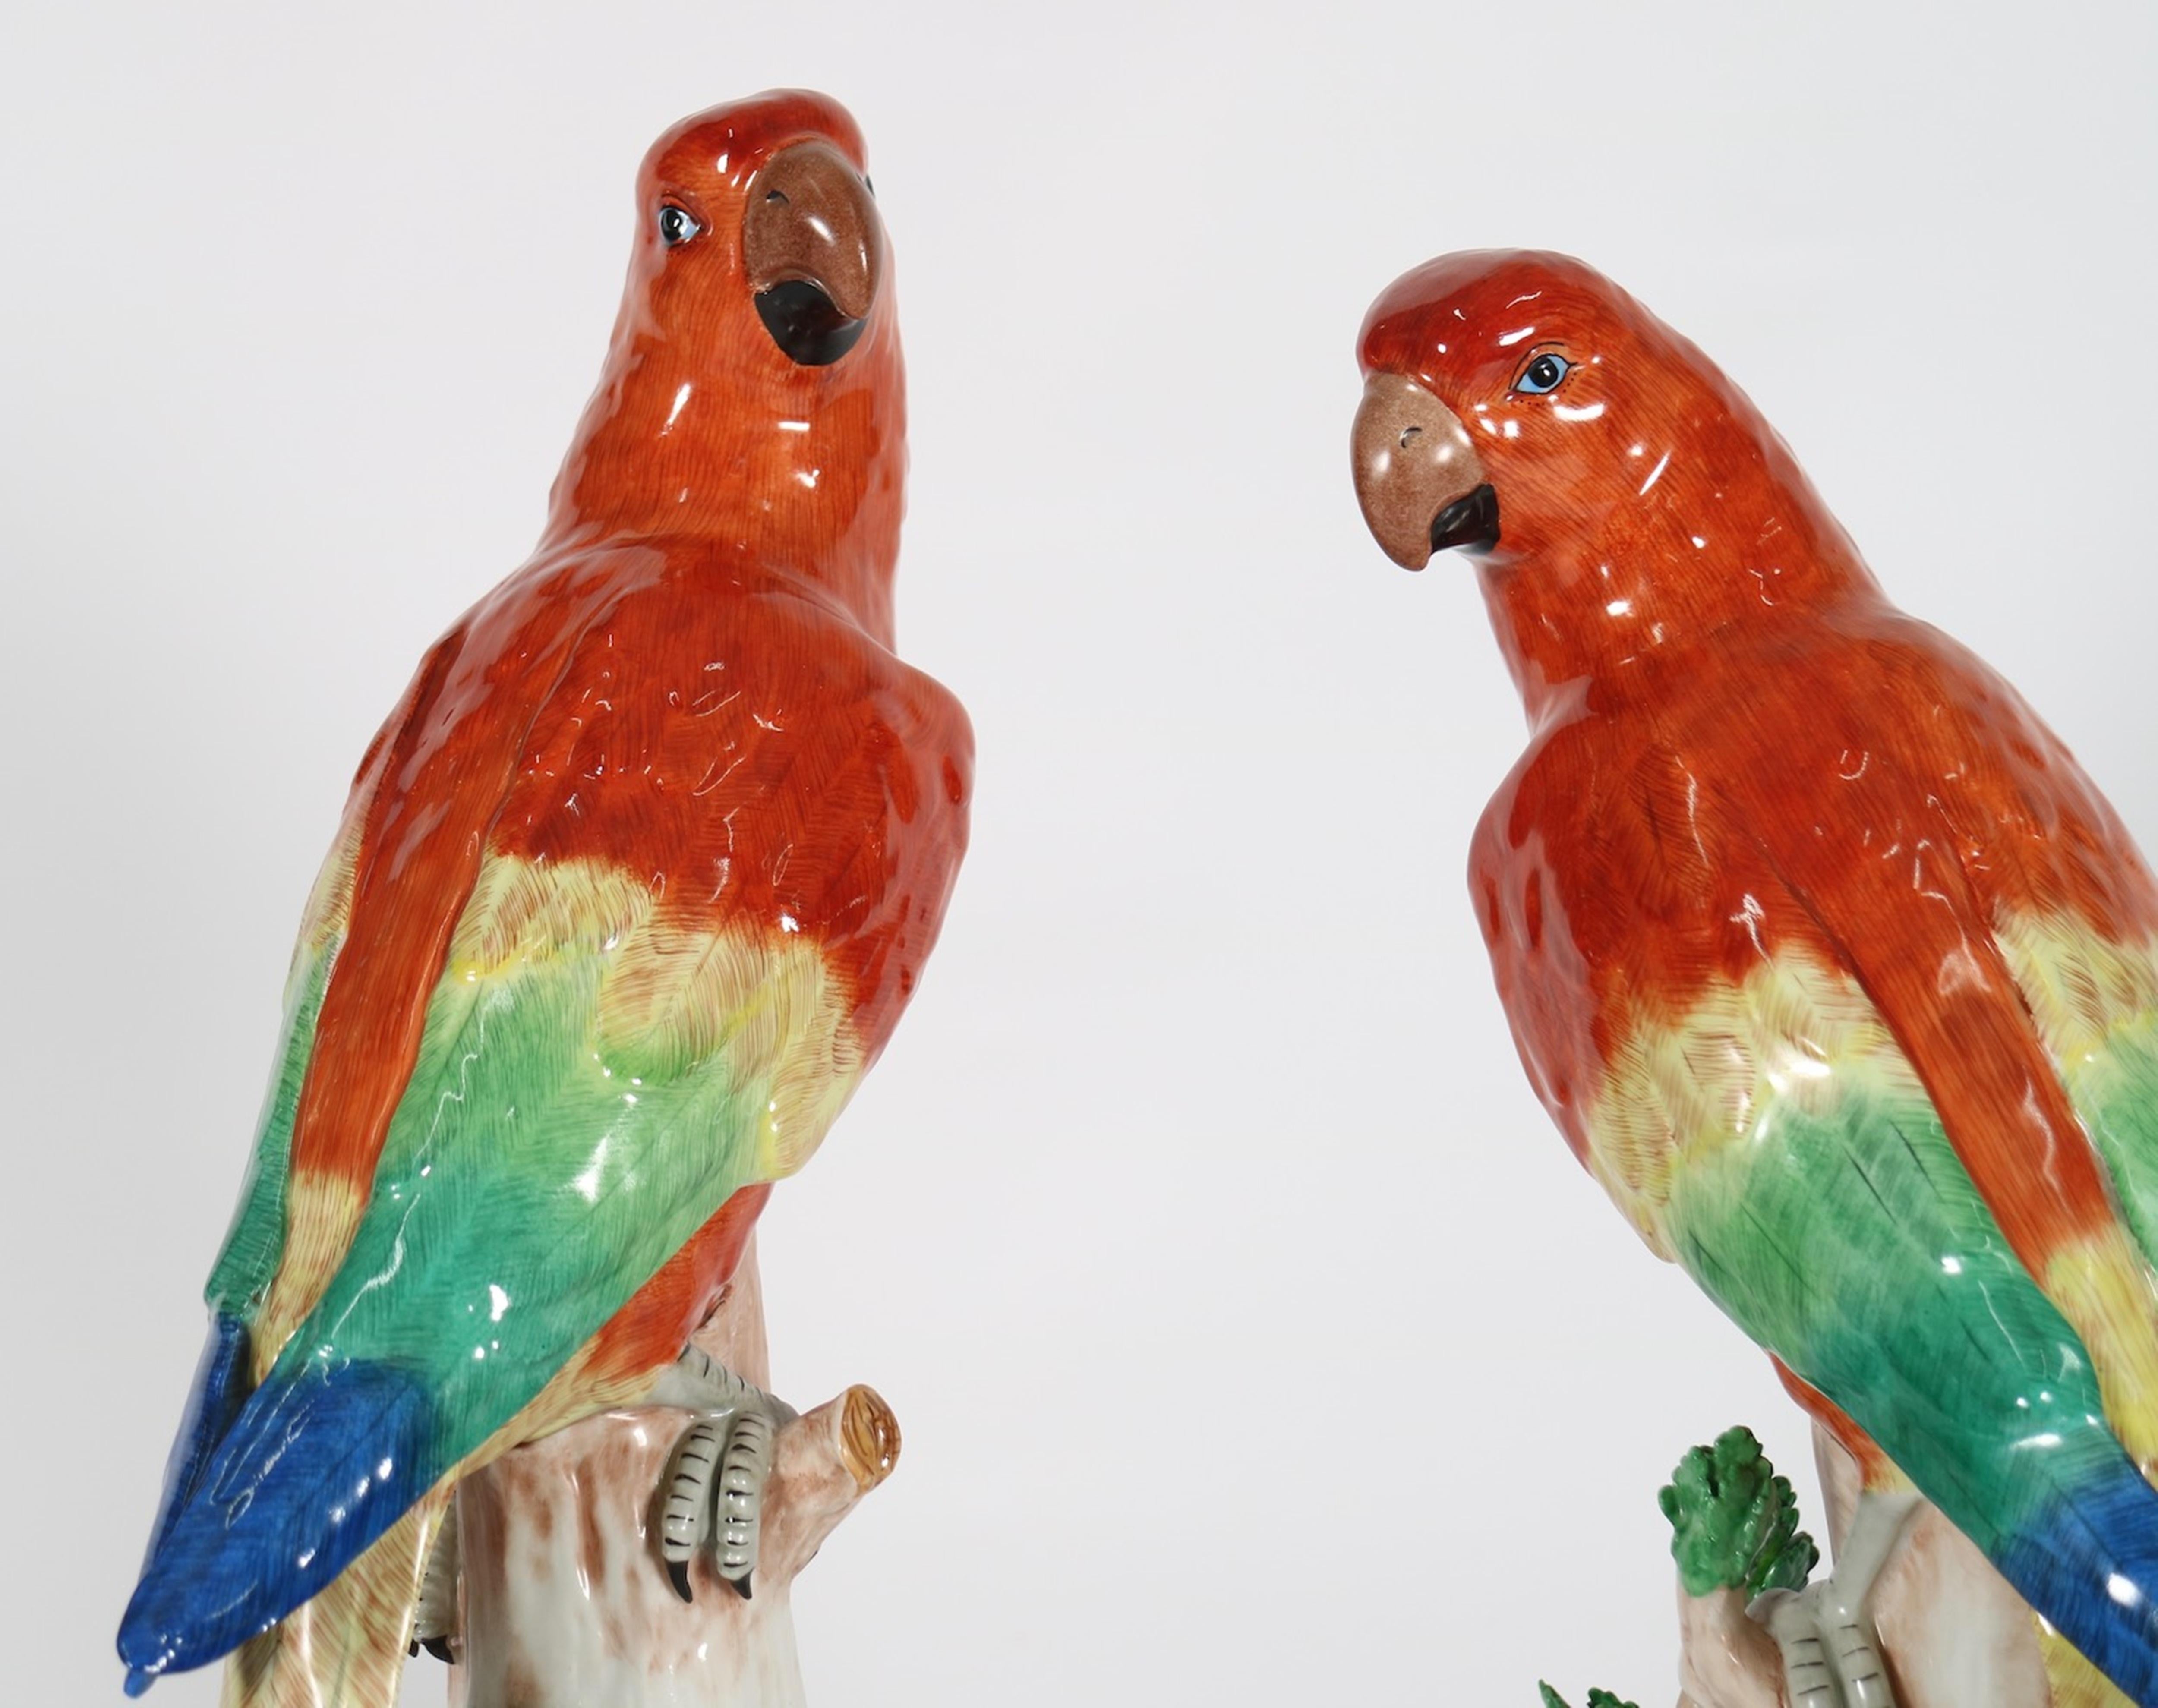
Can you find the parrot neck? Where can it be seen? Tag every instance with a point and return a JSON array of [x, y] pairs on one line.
[[802, 469], [1734, 550]]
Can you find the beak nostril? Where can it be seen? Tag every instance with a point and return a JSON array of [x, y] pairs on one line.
[[813, 249], [1413, 462]]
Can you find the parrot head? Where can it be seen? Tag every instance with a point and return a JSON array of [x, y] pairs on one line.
[[753, 389], [1617, 492], [757, 226]]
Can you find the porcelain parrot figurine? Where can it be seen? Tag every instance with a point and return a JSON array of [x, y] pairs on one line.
[[631, 890], [1830, 965]]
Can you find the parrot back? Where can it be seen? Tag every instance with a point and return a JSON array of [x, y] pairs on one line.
[[702, 892], [1770, 968]]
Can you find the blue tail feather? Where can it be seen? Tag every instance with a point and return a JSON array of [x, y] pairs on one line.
[[314, 1467], [2088, 1560], [213, 1401]]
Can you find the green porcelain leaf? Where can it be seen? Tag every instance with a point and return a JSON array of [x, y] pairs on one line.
[[1734, 1521]]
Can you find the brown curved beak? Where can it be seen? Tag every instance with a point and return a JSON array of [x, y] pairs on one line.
[[814, 250], [1418, 478]]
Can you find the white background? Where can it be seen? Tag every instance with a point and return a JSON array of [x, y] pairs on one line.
[[1254, 1336]]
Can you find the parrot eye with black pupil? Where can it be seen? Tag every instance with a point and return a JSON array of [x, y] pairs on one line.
[[1543, 374], [676, 226]]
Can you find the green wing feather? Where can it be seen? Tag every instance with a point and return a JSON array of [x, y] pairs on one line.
[[1834, 1222], [248, 1261], [558, 1139]]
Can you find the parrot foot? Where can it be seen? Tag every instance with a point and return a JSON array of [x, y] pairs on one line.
[[716, 1475], [437, 1614], [1830, 1657], [436, 1617]]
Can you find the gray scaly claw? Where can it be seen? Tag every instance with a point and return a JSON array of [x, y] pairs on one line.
[[716, 1479], [1831, 1657]]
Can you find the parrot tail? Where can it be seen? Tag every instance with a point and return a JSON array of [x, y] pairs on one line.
[[214, 1400], [2088, 1560], [318, 1463], [346, 1648]]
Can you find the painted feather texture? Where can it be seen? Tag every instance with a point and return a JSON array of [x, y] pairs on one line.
[[631, 890], [1830, 964], [1777, 1025], [601, 1065]]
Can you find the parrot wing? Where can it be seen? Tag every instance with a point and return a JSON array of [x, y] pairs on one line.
[[2079, 938], [1996, 921], [254, 1246], [1812, 1190], [598, 1068], [1815, 1083]]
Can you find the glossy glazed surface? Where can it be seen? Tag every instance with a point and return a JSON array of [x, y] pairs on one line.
[[631, 890], [1830, 963]]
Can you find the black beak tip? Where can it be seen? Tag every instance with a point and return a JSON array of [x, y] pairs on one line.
[[805, 324], [1471, 523]]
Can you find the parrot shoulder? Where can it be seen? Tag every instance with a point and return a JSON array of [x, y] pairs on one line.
[[1626, 915], [1536, 884]]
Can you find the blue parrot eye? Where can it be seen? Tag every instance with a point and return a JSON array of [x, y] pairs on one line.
[[676, 226], [1543, 374]]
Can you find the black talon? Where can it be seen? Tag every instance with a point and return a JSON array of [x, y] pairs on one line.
[[741, 1585], [439, 1647], [678, 1573], [412, 1648]]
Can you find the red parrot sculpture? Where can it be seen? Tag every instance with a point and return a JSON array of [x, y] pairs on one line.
[[630, 892], [1831, 965]]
